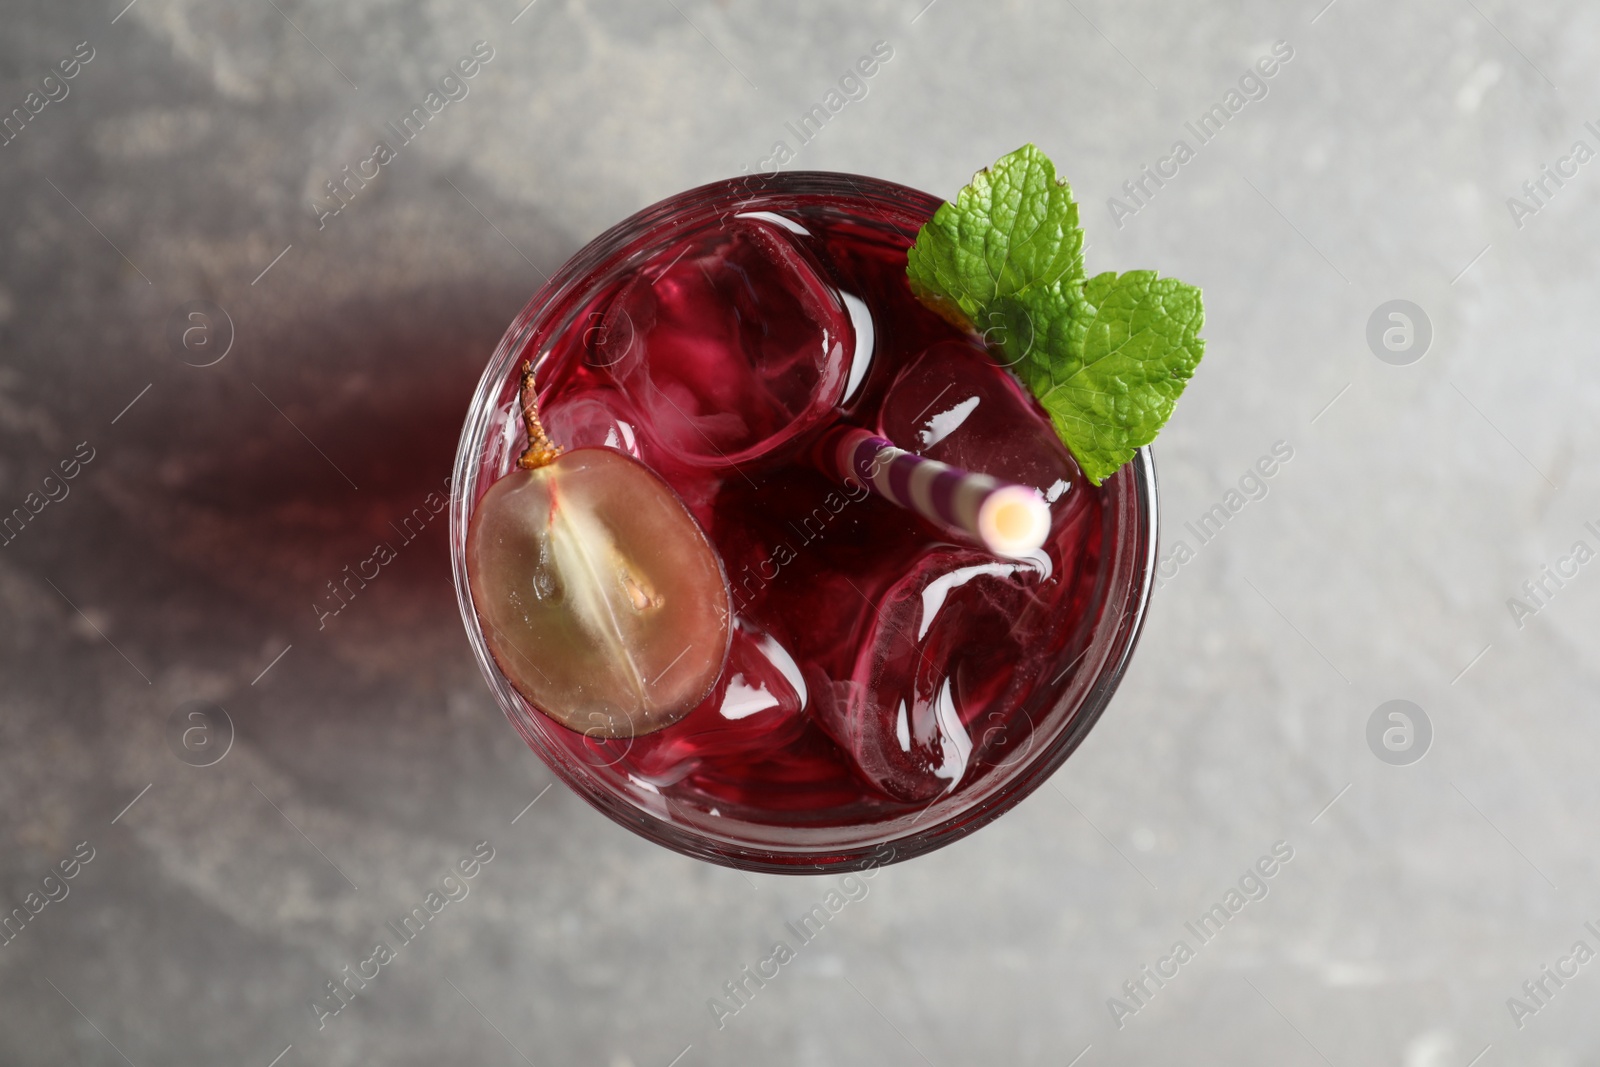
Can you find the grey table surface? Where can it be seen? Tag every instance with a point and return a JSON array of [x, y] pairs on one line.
[[368, 756]]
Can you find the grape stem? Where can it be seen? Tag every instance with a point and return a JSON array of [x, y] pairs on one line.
[[541, 451]]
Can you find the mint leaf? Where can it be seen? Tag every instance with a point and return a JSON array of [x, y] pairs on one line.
[[1015, 227], [1107, 356], [1107, 361]]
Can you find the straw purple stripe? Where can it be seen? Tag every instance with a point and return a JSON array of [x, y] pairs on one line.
[[942, 493]]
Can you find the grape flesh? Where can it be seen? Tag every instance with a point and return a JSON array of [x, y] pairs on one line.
[[601, 598]]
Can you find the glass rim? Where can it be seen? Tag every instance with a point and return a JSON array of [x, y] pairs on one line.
[[1131, 567]]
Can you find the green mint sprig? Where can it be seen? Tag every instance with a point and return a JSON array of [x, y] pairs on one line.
[[1107, 356]]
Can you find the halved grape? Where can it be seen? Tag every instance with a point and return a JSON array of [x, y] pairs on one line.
[[601, 598]]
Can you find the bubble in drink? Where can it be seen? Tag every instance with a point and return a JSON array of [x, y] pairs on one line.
[[729, 348], [601, 599]]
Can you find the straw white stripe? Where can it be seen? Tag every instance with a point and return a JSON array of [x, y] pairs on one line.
[[885, 465], [922, 489]]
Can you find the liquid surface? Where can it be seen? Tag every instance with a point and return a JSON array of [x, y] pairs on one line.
[[874, 666]]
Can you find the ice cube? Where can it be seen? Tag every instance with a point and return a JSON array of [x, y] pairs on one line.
[[955, 404], [758, 708], [603, 418], [941, 673], [596, 417], [732, 348]]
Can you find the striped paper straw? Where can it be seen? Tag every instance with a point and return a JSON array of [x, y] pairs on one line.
[[1009, 520]]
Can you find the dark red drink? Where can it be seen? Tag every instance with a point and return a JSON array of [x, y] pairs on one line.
[[888, 687]]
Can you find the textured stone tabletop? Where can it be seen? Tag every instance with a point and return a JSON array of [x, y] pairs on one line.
[[1417, 540]]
